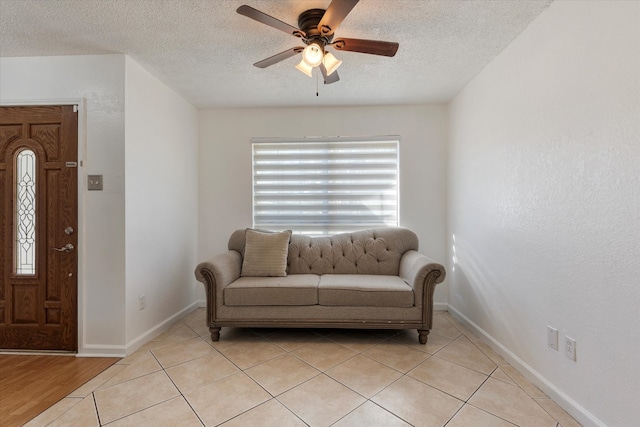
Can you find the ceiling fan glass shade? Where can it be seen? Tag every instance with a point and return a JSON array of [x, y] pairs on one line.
[[305, 68], [331, 63], [312, 54]]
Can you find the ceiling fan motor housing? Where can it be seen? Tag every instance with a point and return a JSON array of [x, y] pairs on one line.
[[308, 22]]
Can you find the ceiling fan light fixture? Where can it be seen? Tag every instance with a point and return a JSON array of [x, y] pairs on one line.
[[331, 63], [312, 54], [305, 68]]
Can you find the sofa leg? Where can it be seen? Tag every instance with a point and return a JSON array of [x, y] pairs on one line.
[[215, 333], [423, 335]]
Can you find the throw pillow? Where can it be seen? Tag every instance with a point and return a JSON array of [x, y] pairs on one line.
[[265, 254]]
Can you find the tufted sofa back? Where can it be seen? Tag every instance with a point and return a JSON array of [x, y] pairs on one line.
[[375, 251]]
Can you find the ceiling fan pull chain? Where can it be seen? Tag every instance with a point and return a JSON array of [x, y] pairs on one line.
[[317, 77]]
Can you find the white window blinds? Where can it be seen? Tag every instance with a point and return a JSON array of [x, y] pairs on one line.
[[323, 187]]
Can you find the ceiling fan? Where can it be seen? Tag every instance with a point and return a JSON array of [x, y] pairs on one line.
[[316, 28]]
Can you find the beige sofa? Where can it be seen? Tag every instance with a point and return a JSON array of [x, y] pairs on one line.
[[367, 279]]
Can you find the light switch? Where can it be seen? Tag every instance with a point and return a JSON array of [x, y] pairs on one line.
[[95, 182]]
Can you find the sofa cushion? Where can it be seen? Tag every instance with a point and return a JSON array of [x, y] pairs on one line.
[[364, 290], [299, 289], [265, 254]]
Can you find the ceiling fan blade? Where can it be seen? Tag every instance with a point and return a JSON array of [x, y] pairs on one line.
[[334, 15], [278, 57], [252, 13], [332, 78], [373, 47]]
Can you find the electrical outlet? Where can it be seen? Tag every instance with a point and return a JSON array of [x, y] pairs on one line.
[[570, 348], [552, 337], [142, 302]]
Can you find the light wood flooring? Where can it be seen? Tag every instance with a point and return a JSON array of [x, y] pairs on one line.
[[31, 384]]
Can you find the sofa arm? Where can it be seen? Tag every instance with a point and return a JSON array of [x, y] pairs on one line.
[[216, 274], [415, 267], [221, 270], [422, 274]]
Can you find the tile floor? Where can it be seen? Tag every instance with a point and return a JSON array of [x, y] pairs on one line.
[[272, 377]]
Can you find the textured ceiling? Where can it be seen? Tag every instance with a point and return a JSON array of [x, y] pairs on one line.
[[204, 50]]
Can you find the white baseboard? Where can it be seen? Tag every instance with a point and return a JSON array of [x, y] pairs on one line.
[[572, 407], [102, 351], [440, 306], [90, 350], [150, 334]]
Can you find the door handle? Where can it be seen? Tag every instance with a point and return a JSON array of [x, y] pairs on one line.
[[66, 248]]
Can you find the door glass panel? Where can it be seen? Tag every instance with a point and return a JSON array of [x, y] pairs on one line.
[[25, 213]]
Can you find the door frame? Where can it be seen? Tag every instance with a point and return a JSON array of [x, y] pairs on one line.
[[82, 193]]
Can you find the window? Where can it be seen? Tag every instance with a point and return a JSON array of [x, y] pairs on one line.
[[25, 213], [325, 186]]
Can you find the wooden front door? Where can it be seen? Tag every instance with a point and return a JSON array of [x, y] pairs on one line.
[[38, 228]]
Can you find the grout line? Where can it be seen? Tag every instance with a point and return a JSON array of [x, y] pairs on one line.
[[545, 409], [492, 414], [454, 414], [395, 415], [95, 405], [480, 386], [177, 388], [288, 409]]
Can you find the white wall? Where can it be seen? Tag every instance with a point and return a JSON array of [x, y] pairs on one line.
[[544, 204], [149, 246], [99, 81], [225, 165], [161, 203]]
